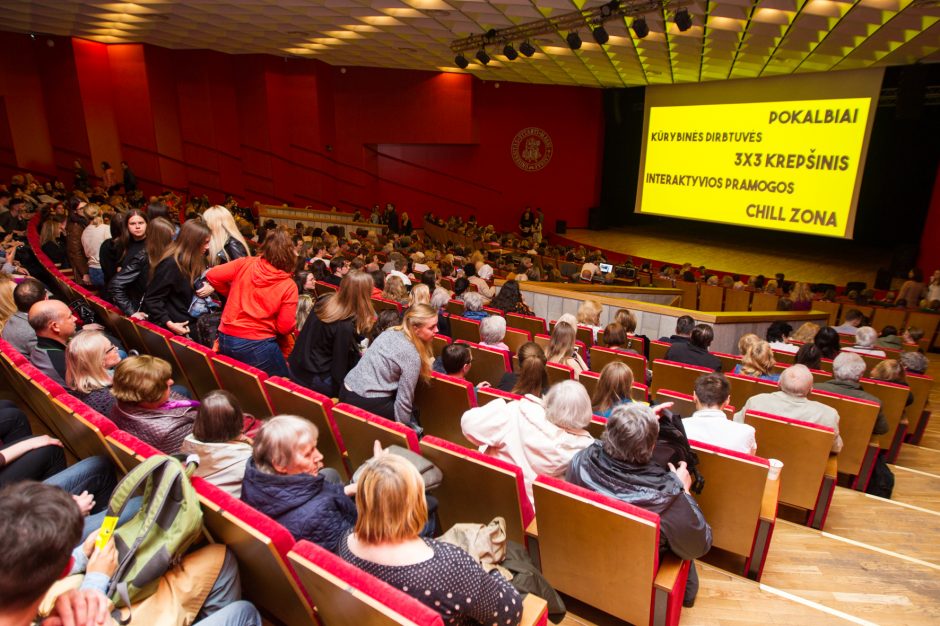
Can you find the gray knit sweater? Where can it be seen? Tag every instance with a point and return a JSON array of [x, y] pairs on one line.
[[390, 367]]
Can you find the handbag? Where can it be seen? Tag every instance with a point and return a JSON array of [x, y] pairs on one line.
[[430, 472], [486, 544]]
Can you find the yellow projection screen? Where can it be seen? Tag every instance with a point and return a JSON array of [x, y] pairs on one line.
[[783, 153]]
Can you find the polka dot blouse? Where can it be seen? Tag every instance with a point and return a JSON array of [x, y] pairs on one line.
[[451, 583]]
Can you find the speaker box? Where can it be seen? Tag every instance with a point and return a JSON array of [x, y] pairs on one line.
[[561, 227]]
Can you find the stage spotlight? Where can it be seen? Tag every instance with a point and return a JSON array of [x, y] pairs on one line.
[[600, 35], [510, 53], [574, 40], [483, 57], [683, 20], [640, 28], [526, 48], [461, 61], [608, 9]]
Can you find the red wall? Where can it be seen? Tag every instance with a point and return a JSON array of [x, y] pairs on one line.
[[929, 258], [295, 131]]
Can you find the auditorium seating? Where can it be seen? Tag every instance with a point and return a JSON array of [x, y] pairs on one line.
[[464, 328], [743, 387], [534, 325], [620, 542], [289, 398], [128, 450], [893, 402], [476, 488], [740, 503], [82, 428], [455, 307], [683, 403], [558, 372], [488, 394], [382, 304], [916, 414], [359, 430], [602, 356], [489, 364], [808, 477], [639, 392], [156, 341], [515, 337], [246, 381], [856, 421], [673, 375], [196, 361], [441, 402], [658, 349], [438, 343]]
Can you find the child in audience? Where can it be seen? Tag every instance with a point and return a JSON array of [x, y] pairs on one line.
[[218, 441], [614, 387]]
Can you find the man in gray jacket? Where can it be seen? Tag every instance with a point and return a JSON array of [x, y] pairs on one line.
[[17, 331]]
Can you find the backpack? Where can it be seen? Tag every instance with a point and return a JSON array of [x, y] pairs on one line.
[[881, 483], [672, 446], [157, 537]]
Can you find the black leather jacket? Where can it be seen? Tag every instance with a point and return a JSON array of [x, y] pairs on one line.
[[231, 251], [126, 290]]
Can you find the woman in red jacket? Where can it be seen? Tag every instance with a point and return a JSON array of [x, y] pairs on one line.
[[261, 304]]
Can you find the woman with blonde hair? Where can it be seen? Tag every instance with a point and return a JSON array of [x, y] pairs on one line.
[[395, 290], [758, 361], [805, 333], [562, 348], [52, 241], [420, 294], [802, 297], [95, 234], [614, 387], [386, 543], [226, 243], [88, 358], [746, 341], [589, 314], [7, 304], [385, 378], [329, 342]]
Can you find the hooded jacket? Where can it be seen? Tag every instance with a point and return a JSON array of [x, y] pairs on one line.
[[308, 506], [222, 464], [683, 529], [261, 299]]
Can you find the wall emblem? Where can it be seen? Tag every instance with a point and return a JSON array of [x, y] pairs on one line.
[[531, 149]]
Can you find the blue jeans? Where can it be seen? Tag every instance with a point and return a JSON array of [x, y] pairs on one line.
[[97, 276], [264, 354], [94, 475]]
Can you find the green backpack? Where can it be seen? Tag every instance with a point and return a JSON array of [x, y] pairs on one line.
[[157, 537]]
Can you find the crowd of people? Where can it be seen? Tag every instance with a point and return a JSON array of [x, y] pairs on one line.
[[250, 291]]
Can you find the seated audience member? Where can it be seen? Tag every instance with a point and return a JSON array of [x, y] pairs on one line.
[[890, 339], [620, 466], [386, 544], [460, 286], [912, 335], [283, 479], [684, 326], [562, 348], [531, 377], [54, 324], [615, 338], [540, 440], [827, 340], [399, 265], [483, 288], [865, 338], [614, 387], [395, 290], [17, 331], [439, 299], [589, 314], [792, 401], [695, 351], [709, 424], [89, 358], [778, 336], [847, 370], [914, 362], [23, 456], [41, 535], [473, 306], [891, 371], [805, 333], [745, 342], [455, 360], [510, 300], [758, 361], [385, 319], [218, 441], [146, 406], [809, 355], [853, 319], [493, 331], [328, 346], [385, 378], [419, 294], [339, 267]]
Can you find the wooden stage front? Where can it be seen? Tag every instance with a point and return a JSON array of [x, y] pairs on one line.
[[743, 251]]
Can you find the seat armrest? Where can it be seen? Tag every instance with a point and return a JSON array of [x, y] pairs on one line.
[[534, 611], [532, 530], [832, 466], [670, 569], [768, 504]]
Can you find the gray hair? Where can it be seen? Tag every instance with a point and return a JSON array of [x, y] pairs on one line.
[[914, 362], [440, 298], [568, 318], [848, 366], [631, 433], [865, 337], [492, 329], [472, 301], [278, 438], [567, 405], [796, 380]]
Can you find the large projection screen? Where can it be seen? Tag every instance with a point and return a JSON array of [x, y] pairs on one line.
[[782, 153]]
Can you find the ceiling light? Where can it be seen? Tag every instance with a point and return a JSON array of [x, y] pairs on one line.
[[640, 28], [526, 48], [574, 40], [600, 35], [461, 61], [683, 20], [510, 53], [483, 57]]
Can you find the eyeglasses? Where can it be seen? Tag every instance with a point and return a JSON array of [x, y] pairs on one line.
[[113, 348]]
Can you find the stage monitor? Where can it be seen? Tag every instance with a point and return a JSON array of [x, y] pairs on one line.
[[782, 153]]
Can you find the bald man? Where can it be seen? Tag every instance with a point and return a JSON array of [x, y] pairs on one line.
[[54, 324], [792, 402]]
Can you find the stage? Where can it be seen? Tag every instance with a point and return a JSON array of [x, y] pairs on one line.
[[742, 251]]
